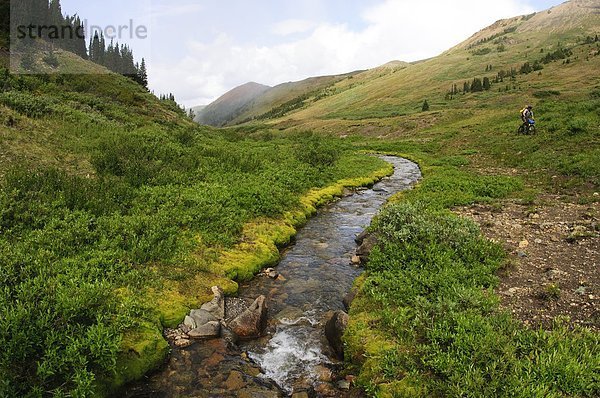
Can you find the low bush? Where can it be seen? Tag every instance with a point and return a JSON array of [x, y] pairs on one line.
[[426, 321]]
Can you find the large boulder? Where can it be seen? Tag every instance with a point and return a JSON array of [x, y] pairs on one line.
[[202, 317], [209, 330], [334, 331], [217, 305], [252, 322]]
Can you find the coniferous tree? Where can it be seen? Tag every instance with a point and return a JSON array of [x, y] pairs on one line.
[[486, 83], [501, 75], [143, 74], [466, 87], [94, 51], [78, 43], [477, 85], [425, 107], [5, 18]]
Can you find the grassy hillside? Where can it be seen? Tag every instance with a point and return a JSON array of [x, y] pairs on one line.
[[117, 215], [564, 92], [230, 104]]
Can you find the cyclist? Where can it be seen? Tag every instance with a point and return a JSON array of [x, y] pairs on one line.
[[527, 115]]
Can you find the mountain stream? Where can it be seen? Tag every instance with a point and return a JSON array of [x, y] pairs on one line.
[[294, 358]]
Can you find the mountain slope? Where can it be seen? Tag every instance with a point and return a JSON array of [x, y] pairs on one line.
[[506, 44], [239, 106], [549, 59], [230, 104]]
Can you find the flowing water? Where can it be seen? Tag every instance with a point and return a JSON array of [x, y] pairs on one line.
[[294, 356]]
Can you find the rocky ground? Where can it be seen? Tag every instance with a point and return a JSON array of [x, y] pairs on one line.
[[553, 268]]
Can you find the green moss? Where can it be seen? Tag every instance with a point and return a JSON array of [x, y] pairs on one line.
[[262, 238], [142, 350]]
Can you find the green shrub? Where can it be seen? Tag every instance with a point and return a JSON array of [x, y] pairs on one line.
[[27, 104], [318, 152], [577, 126], [428, 289]]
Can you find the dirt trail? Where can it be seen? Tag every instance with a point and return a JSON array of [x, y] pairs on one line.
[[554, 266]]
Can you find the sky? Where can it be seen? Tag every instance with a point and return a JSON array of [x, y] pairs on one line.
[[200, 49]]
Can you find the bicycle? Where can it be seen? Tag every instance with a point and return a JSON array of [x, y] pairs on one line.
[[527, 128]]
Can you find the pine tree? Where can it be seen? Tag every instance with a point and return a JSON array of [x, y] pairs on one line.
[[477, 85], [143, 74], [466, 87], [425, 107], [55, 15], [94, 53], [486, 83], [501, 75]]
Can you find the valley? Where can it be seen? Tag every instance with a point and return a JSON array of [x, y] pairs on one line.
[[119, 212]]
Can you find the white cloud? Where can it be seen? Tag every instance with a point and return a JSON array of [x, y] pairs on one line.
[[292, 26], [395, 29]]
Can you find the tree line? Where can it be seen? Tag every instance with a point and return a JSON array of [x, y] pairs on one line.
[[44, 19]]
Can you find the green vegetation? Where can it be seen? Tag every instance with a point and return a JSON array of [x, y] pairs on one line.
[[117, 213], [426, 320], [116, 216]]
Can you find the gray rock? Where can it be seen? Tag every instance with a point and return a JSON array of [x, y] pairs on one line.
[[217, 305], [252, 322], [343, 385], [202, 317], [334, 331], [207, 331], [190, 323]]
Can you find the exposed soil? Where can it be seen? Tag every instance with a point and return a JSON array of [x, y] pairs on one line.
[[554, 262]]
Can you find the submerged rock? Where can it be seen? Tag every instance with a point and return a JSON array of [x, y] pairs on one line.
[[252, 322]]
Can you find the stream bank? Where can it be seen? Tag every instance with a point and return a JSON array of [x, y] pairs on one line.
[[293, 358]]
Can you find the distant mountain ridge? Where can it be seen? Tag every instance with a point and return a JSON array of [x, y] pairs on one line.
[[256, 101], [399, 88], [230, 104]]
